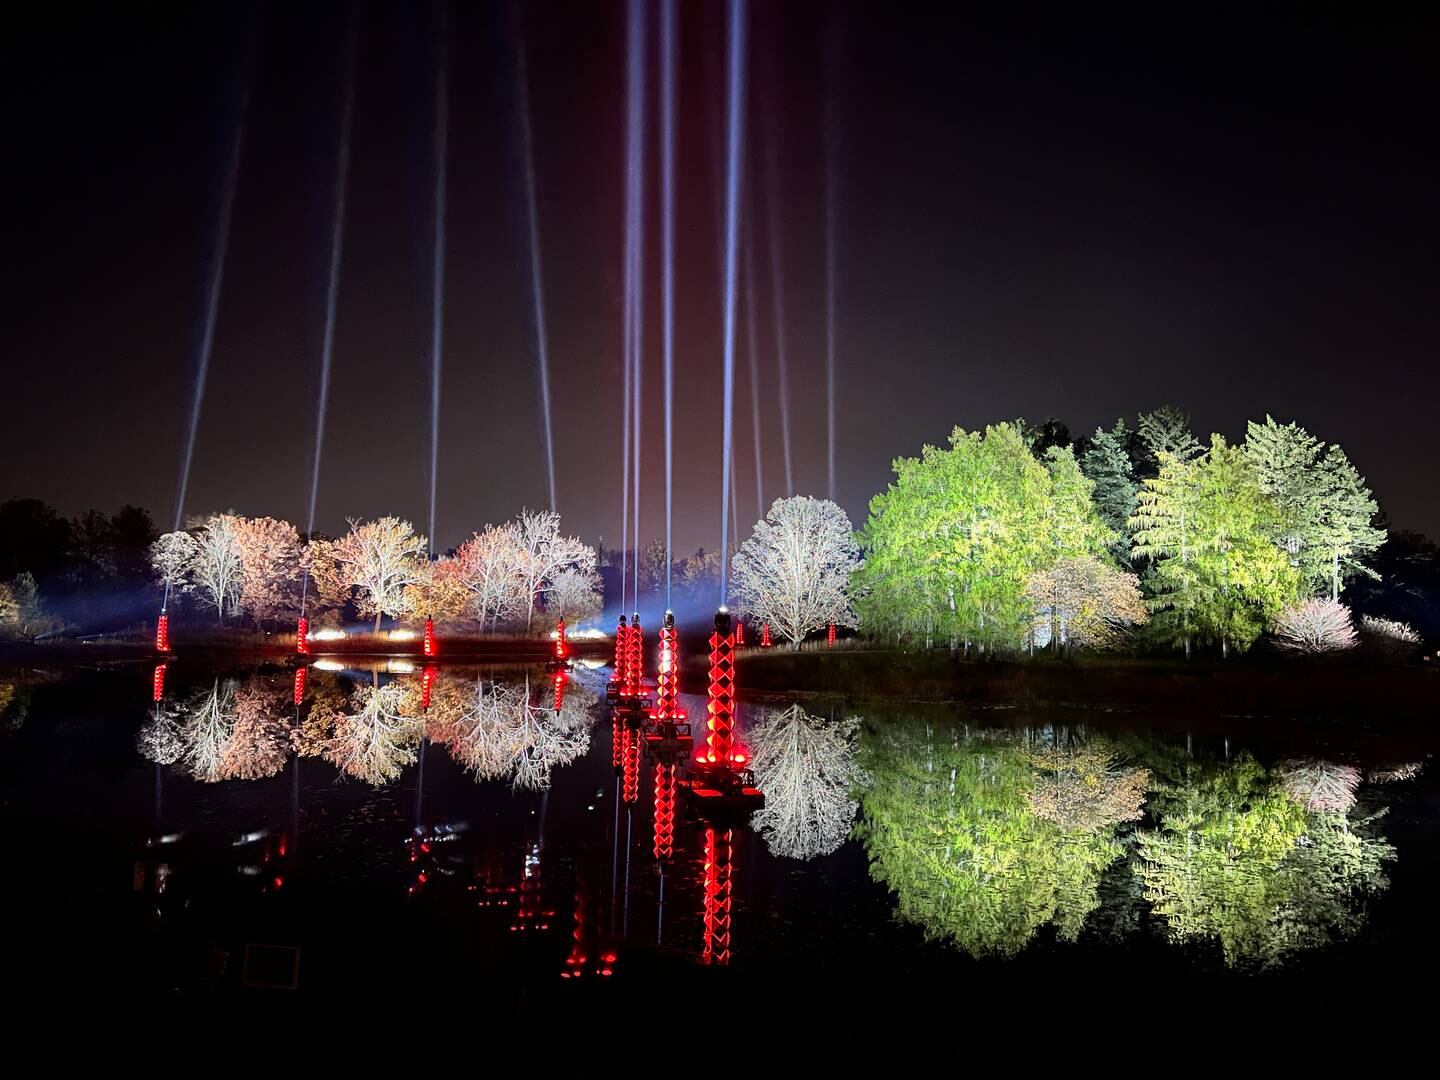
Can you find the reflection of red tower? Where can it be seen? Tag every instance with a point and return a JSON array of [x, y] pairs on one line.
[[630, 762], [162, 633], [427, 685], [560, 680], [562, 647], [664, 846], [617, 735], [302, 636], [157, 681], [830, 636], [716, 882], [300, 676], [430, 645], [579, 963], [530, 913]]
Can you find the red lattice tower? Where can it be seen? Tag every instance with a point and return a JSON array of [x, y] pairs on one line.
[[720, 698], [664, 845], [668, 681], [635, 659], [622, 654], [302, 636], [630, 763], [716, 881], [162, 633], [740, 632], [427, 684], [562, 647], [560, 680], [301, 673], [617, 746], [830, 636], [157, 684], [431, 646], [765, 635]]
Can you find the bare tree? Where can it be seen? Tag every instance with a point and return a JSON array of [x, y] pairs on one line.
[[543, 553], [171, 557], [269, 566], [381, 559], [209, 721], [215, 571], [1081, 601], [574, 595], [1313, 627], [794, 571], [489, 569], [504, 731], [806, 767]]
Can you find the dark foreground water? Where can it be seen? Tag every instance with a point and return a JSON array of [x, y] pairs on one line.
[[225, 841]]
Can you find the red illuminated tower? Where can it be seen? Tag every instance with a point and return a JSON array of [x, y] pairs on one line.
[[740, 631], [720, 699], [157, 681], [830, 636], [300, 676], [302, 636], [664, 843], [765, 635], [162, 633], [560, 680], [427, 684], [635, 660], [667, 681], [562, 647], [617, 672], [629, 762], [717, 895], [431, 648]]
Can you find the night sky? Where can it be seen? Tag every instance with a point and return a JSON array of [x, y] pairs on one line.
[[1081, 215]]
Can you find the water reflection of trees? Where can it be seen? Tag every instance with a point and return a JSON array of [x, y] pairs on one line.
[[246, 729], [806, 766], [496, 730], [987, 836]]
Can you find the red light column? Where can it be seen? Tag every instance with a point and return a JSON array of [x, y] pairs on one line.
[[630, 762], [664, 845], [427, 684], [302, 636], [830, 636], [430, 645], [716, 881], [740, 632], [622, 655], [560, 680], [720, 697], [157, 687], [162, 633], [562, 647], [667, 682], [765, 636], [300, 676]]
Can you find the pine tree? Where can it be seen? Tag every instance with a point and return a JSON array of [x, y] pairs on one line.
[[1165, 430], [1344, 529], [1285, 459], [1107, 464]]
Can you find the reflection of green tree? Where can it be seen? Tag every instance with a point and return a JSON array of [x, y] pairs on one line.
[[1233, 860], [950, 827]]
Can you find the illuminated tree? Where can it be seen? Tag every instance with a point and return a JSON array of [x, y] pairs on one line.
[[1208, 529], [542, 553], [1084, 787], [269, 566], [500, 729], [440, 591], [376, 738], [216, 568], [160, 740], [1107, 464], [1344, 530], [1165, 432], [652, 567], [489, 568], [1313, 627], [699, 574], [171, 557], [1319, 785], [794, 571], [381, 559], [574, 595], [806, 767], [1081, 601], [209, 720]]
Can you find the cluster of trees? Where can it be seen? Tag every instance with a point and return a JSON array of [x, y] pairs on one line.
[[985, 837], [248, 729], [500, 577], [1016, 538]]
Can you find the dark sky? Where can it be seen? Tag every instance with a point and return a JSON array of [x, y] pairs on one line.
[[1080, 215]]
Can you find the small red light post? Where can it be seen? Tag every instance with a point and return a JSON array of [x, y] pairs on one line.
[[162, 633], [740, 632], [429, 645], [300, 676], [560, 680], [562, 647], [157, 688], [302, 636], [830, 636], [427, 684], [765, 635]]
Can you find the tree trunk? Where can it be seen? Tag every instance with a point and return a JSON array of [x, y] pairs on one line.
[[378, 615]]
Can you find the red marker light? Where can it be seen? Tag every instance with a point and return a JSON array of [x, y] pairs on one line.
[[162, 633], [302, 636]]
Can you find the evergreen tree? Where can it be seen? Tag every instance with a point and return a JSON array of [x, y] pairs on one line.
[[1344, 529], [1165, 430], [1285, 459], [1107, 464]]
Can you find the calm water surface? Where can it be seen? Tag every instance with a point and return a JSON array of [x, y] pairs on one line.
[[226, 841]]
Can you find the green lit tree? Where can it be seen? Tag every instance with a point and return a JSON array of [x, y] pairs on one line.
[[1166, 431], [1344, 531]]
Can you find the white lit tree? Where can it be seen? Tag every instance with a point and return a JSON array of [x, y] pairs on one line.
[[216, 568], [171, 556], [381, 559], [542, 553], [806, 767], [574, 595], [794, 571], [376, 738], [489, 569]]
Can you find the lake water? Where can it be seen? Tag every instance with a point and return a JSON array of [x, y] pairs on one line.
[[224, 840]]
